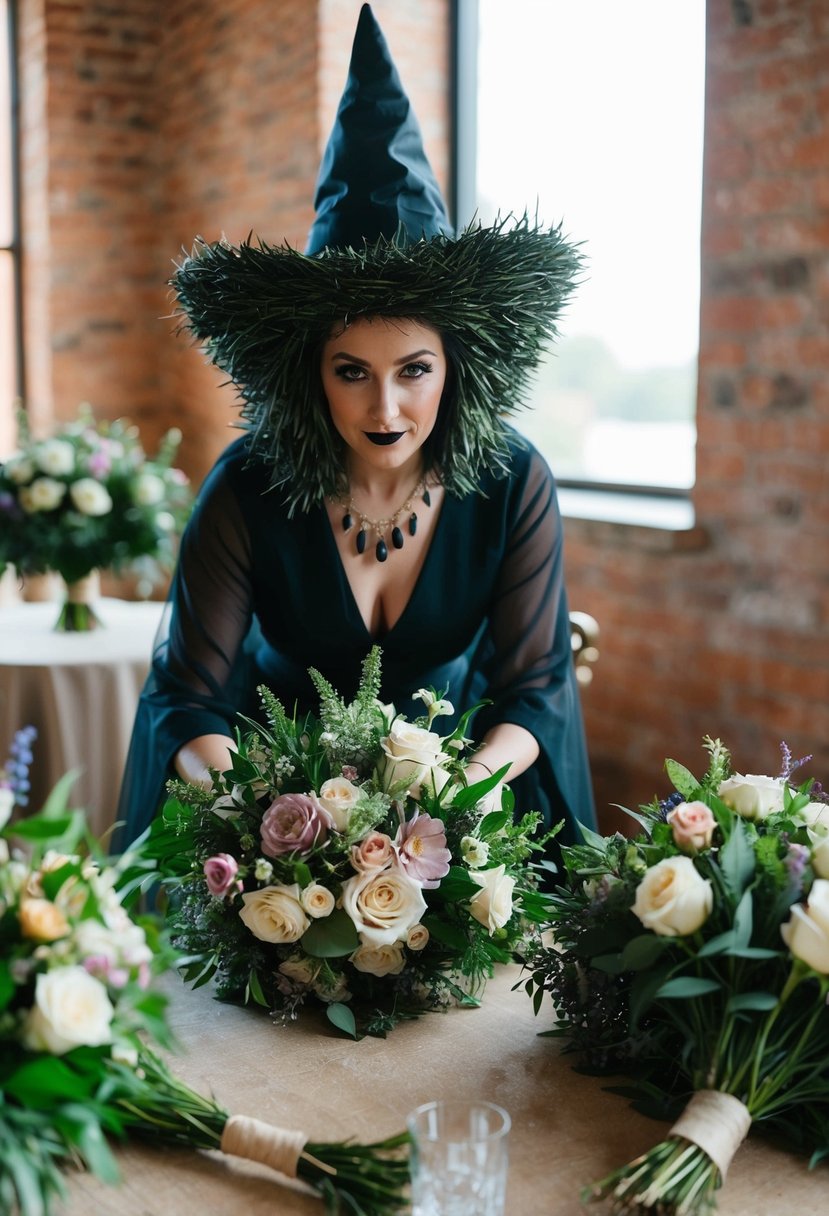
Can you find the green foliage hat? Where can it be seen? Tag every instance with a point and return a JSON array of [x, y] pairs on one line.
[[381, 246]]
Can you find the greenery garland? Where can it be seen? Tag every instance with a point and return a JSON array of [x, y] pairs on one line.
[[263, 312]]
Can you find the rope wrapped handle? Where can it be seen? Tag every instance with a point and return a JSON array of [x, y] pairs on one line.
[[277, 1147], [717, 1123]]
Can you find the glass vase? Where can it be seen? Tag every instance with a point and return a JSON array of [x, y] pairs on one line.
[[77, 614]]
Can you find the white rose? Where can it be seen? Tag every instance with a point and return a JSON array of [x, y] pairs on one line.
[[317, 900], [474, 852], [820, 852], [44, 494], [492, 906], [299, 970], [275, 914], [94, 938], [752, 796], [330, 987], [815, 815], [55, 456], [673, 899], [409, 751], [806, 933], [165, 521], [90, 497], [148, 489], [383, 904], [71, 1009], [6, 804], [379, 960], [339, 797], [19, 469], [418, 937]]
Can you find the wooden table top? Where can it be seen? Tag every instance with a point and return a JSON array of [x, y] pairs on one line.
[[566, 1131]]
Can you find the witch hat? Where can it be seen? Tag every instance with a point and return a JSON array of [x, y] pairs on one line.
[[374, 178]]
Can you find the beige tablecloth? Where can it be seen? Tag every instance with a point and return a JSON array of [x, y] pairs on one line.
[[567, 1131], [80, 690]]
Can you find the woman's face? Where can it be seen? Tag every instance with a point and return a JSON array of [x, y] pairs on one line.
[[383, 379]]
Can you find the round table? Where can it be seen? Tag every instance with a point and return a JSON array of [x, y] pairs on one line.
[[80, 691]]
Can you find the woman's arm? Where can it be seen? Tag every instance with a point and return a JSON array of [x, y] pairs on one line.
[[195, 759], [505, 744]]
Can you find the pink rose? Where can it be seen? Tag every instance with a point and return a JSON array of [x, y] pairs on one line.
[[293, 823], [374, 852], [220, 874], [692, 825]]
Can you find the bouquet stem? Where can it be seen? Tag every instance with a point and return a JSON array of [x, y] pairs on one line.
[[78, 615], [364, 1179], [679, 1175]]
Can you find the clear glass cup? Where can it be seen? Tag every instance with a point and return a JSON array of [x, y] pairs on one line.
[[458, 1158]]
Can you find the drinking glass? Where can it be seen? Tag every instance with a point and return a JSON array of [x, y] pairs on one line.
[[458, 1158]]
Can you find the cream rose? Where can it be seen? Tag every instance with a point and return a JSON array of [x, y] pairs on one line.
[[492, 906], [275, 914], [673, 899], [409, 751], [379, 960], [806, 933], [339, 797], [752, 796], [418, 937], [71, 1009], [19, 469], [692, 825], [6, 804], [299, 970], [55, 456], [374, 852], [148, 490], [815, 815], [383, 904], [41, 921], [44, 494], [90, 497], [317, 900], [820, 852]]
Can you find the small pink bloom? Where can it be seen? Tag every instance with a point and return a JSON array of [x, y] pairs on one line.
[[220, 872], [349, 772], [374, 852], [692, 824], [421, 848], [99, 463], [293, 823]]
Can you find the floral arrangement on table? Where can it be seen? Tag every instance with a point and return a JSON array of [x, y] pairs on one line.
[[346, 858], [78, 1012], [89, 498], [695, 957]]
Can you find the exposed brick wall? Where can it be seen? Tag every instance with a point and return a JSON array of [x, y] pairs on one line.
[[147, 123], [732, 637]]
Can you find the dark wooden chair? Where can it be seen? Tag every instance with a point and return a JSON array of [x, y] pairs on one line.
[[584, 635]]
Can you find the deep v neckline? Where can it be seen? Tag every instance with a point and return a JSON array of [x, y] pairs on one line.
[[351, 598]]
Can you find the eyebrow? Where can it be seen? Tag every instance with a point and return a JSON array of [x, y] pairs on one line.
[[343, 354]]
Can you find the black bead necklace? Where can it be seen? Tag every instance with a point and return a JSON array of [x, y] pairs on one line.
[[381, 526]]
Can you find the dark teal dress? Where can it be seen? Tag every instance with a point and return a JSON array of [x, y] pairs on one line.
[[259, 597]]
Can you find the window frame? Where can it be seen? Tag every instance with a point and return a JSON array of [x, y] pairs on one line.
[[15, 246], [464, 17]]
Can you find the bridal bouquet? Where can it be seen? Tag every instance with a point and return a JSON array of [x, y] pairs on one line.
[[89, 498], [346, 858], [77, 1014], [696, 956]]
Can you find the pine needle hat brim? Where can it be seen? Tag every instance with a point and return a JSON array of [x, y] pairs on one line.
[[494, 293]]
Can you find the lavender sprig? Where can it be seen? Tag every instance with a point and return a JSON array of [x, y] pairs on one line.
[[14, 774]]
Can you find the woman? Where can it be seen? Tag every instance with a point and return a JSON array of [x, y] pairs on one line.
[[377, 495]]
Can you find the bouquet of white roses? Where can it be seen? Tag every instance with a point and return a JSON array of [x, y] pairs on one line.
[[696, 956], [89, 498], [77, 1009], [346, 858]]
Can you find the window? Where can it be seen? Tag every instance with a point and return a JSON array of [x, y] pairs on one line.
[[10, 359], [592, 113]]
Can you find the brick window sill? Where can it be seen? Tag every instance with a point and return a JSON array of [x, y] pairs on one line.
[[641, 521]]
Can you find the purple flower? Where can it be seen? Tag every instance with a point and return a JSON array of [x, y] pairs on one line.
[[220, 873], [293, 823], [421, 848]]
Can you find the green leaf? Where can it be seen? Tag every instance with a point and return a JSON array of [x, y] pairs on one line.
[[302, 874], [611, 964], [342, 1017], [39, 829], [685, 986], [737, 859], [93, 1146], [446, 933], [46, 1080], [57, 803], [7, 988], [683, 781], [744, 919], [330, 936], [493, 822], [642, 951], [762, 1001], [456, 886], [723, 943]]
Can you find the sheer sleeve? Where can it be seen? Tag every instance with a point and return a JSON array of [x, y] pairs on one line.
[[530, 672], [196, 681]]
